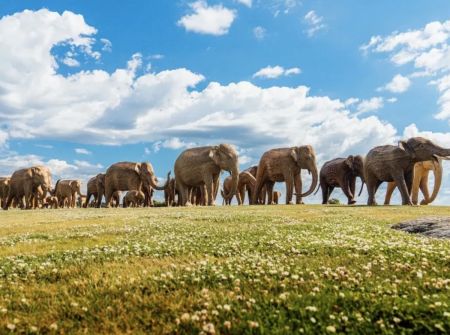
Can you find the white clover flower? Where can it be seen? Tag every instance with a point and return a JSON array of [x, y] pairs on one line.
[[209, 328], [311, 308], [331, 329], [253, 324], [227, 324]]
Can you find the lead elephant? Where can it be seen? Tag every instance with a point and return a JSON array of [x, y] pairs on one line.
[[95, 188], [342, 173], [420, 181], [127, 176], [246, 183], [25, 182], [67, 191], [201, 167], [390, 163], [4, 189], [285, 165]]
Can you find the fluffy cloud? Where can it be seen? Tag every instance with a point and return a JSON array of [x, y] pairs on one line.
[[314, 23], [371, 105], [272, 72], [82, 151], [205, 19], [98, 107], [427, 49], [398, 84], [247, 3]]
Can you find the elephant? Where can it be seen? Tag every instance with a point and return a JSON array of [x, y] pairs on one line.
[[148, 194], [246, 182], [25, 182], [170, 193], [115, 199], [4, 189], [420, 181], [253, 170], [276, 197], [341, 172], [285, 164], [95, 188], [133, 199], [201, 167], [66, 191], [127, 176], [396, 163], [51, 202]]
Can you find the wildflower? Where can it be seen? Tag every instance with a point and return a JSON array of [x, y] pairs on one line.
[[54, 326], [396, 319], [33, 329], [11, 326], [311, 308], [209, 328], [185, 317], [227, 308], [227, 324], [312, 319], [331, 329], [253, 324]]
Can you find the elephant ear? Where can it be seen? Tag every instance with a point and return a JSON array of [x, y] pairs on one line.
[[349, 161], [294, 154], [214, 155], [403, 145], [137, 168]]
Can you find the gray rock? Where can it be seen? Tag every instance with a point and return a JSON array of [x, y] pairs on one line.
[[432, 227]]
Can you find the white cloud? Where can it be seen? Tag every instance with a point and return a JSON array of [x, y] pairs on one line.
[[398, 84], [371, 105], [314, 23], [427, 49], [107, 45], [72, 62], [82, 151], [272, 72], [156, 56], [212, 20], [173, 143], [259, 32], [247, 3]]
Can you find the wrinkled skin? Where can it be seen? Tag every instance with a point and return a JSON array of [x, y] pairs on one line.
[[25, 182], [342, 173], [284, 165], [246, 182], [128, 176], [420, 181], [4, 189], [390, 163], [95, 188], [133, 199], [201, 168], [67, 191]]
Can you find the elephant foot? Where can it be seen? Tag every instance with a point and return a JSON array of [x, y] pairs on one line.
[[386, 203], [424, 203], [352, 202], [289, 203]]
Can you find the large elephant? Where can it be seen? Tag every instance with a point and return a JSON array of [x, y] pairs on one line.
[[66, 191], [95, 188], [420, 181], [284, 165], [341, 172], [396, 163], [128, 176], [4, 189], [25, 182], [246, 182], [133, 199], [201, 167]]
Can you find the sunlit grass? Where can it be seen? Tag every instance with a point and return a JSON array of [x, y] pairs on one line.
[[273, 270]]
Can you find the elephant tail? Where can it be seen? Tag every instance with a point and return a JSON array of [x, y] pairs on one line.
[[318, 188], [223, 197]]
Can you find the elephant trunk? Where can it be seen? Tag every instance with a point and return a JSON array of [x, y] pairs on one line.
[[154, 185], [313, 183], [234, 184], [437, 182], [362, 184]]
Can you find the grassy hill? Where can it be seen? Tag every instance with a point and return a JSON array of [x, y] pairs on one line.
[[272, 270]]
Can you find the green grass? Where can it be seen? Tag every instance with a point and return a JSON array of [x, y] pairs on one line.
[[242, 270]]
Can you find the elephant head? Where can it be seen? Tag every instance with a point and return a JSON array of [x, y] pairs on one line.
[[305, 158], [421, 149], [225, 157], [42, 177], [356, 166], [147, 176]]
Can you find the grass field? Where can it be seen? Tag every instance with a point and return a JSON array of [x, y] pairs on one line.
[[251, 270]]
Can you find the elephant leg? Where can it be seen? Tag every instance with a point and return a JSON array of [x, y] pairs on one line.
[[108, 197], [352, 182], [390, 189], [269, 192], [298, 189], [347, 191], [372, 185], [289, 188], [401, 182], [416, 184], [325, 192], [262, 195], [239, 195], [209, 196]]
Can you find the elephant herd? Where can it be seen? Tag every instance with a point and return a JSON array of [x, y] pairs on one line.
[[197, 178]]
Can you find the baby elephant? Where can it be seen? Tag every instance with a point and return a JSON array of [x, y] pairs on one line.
[[133, 199], [341, 172]]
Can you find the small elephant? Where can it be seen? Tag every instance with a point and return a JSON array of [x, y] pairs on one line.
[[389, 163], [51, 202], [66, 191], [246, 182], [170, 193], [133, 199], [341, 172]]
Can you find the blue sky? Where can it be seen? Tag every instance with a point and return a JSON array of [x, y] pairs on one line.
[[143, 80]]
